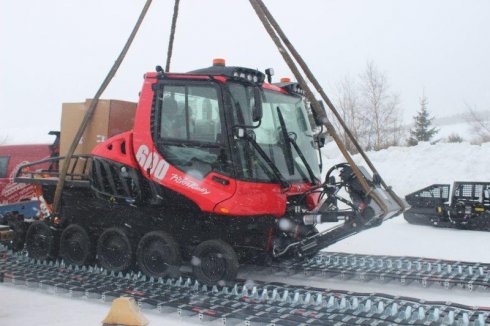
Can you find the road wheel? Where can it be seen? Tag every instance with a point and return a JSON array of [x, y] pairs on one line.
[[75, 245], [214, 261], [158, 254], [15, 222], [40, 241], [114, 251]]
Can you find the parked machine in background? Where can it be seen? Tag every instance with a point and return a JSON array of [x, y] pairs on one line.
[[18, 196], [466, 207], [22, 201]]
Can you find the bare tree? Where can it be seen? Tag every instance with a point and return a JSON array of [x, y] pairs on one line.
[[479, 124], [370, 111], [381, 109], [349, 108]]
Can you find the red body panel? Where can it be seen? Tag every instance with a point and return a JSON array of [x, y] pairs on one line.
[[118, 149], [11, 192], [254, 199]]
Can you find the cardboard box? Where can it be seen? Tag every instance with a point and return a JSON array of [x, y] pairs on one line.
[[111, 117]]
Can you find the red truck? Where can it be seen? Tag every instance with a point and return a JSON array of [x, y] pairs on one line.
[[21, 197]]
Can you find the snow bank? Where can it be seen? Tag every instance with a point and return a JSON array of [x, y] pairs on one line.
[[408, 169]]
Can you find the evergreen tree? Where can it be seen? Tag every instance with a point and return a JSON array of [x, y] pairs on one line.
[[423, 130]]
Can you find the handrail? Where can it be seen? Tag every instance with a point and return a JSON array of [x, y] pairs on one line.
[[22, 174]]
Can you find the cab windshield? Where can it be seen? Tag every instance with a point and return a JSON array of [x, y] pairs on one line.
[[270, 138]]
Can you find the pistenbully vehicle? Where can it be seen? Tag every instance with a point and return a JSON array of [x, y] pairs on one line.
[[220, 168]]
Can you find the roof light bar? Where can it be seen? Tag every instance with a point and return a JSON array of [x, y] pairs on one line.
[[291, 87]]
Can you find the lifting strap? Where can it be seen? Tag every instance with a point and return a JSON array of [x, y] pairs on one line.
[[277, 35], [91, 110], [172, 35]]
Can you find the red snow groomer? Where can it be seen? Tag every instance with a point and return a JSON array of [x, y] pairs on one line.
[[220, 168]]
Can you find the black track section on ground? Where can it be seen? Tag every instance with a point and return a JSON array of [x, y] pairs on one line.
[[402, 269], [243, 302]]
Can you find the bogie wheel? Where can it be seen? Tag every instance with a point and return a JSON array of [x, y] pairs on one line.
[[158, 254], [17, 225], [40, 241], [114, 250], [214, 261], [75, 245]]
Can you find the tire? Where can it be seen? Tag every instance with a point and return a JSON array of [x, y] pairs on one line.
[[158, 255], [214, 261], [114, 250], [75, 245], [40, 241]]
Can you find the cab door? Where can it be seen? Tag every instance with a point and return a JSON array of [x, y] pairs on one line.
[[189, 134]]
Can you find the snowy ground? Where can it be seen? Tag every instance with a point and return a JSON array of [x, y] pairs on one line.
[[406, 169]]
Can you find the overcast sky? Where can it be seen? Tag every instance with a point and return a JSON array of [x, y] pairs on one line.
[[59, 51]]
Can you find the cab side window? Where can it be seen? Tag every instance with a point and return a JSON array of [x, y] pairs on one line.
[[190, 135], [4, 162], [190, 113]]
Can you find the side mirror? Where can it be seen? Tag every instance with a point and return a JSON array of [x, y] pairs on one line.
[[315, 115], [257, 109]]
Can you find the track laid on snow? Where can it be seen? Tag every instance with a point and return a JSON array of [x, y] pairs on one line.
[[404, 270], [257, 303]]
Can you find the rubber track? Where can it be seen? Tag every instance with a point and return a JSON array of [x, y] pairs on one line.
[[404, 270], [250, 303]]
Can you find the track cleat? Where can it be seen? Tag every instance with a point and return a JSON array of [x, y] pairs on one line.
[[393, 309], [296, 298], [318, 300], [368, 305], [354, 303], [435, 315], [381, 308], [275, 295], [264, 297], [449, 319], [234, 291], [195, 286]]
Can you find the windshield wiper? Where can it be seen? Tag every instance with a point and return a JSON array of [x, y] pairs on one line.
[[289, 153], [275, 170], [305, 162]]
